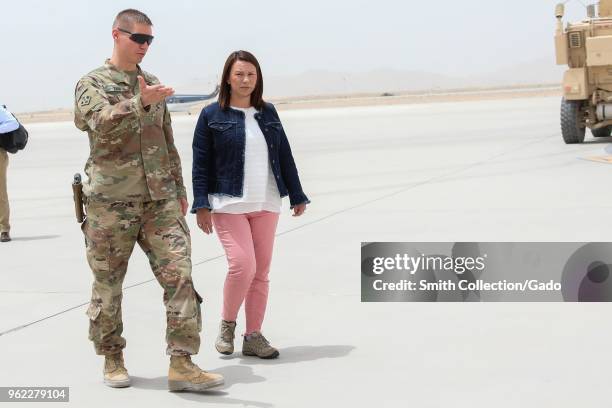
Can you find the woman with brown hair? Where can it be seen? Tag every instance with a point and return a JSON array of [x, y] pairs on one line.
[[242, 167]]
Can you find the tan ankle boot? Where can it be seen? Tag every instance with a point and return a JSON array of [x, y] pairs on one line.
[[225, 340], [115, 374], [184, 375], [255, 344]]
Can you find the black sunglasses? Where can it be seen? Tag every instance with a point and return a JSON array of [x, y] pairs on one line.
[[138, 38]]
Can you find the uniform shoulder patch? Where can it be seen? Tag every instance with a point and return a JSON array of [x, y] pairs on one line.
[[85, 100], [87, 95]]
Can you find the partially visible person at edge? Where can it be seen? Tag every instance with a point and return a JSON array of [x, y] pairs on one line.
[[8, 124], [242, 167], [135, 194]]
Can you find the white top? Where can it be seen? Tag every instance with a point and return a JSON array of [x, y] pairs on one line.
[[8, 123], [260, 191]]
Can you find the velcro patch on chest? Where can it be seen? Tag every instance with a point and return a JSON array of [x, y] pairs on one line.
[[114, 88]]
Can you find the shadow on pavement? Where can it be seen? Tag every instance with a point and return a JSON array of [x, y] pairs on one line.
[[599, 140], [243, 374], [36, 238], [296, 354], [236, 374]]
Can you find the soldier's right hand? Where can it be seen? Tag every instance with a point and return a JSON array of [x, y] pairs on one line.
[[204, 218], [150, 94]]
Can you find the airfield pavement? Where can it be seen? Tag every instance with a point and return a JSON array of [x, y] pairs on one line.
[[477, 170]]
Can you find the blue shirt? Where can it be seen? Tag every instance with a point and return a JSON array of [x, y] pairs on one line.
[[8, 123]]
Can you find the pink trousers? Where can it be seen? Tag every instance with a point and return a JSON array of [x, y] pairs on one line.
[[248, 240]]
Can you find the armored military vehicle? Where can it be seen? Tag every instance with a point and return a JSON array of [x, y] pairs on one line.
[[586, 47]]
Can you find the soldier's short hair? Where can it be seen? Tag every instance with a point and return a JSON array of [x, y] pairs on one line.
[[128, 17]]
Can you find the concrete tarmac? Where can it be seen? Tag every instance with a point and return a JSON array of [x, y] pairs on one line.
[[462, 171]]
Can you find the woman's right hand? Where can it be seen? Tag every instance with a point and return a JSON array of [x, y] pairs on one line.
[[204, 217]]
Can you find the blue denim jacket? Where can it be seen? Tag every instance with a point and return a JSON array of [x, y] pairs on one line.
[[218, 155]]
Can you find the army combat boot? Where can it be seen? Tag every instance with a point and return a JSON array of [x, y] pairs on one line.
[[184, 375], [115, 374], [225, 340], [255, 344]]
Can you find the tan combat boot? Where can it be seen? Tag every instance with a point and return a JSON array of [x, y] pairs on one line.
[[184, 375], [225, 340], [115, 374]]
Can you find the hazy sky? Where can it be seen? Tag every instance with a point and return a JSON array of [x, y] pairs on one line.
[[48, 45]]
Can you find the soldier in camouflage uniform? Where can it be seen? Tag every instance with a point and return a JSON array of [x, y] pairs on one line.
[[135, 194]]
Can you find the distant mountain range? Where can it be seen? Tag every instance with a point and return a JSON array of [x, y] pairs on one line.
[[321, 82], [326, 83]]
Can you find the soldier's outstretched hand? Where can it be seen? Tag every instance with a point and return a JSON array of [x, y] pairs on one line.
[[150, 94]]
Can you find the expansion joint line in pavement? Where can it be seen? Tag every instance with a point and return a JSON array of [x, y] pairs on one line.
[[318, 220]]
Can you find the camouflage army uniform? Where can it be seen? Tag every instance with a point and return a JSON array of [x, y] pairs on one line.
[[131, 196]]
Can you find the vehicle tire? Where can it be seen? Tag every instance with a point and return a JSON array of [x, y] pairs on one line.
[[602, 132], [572, 128]]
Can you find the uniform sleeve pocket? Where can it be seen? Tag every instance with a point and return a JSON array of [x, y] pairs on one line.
[[183, 224], [185, 228], [93, 311]]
